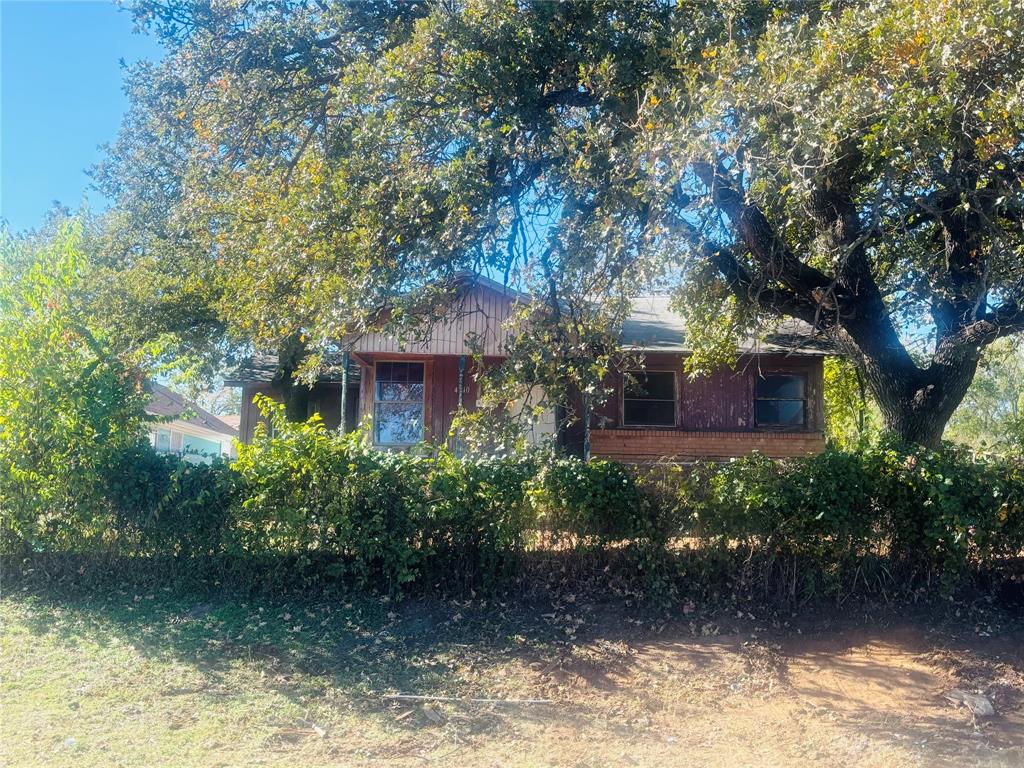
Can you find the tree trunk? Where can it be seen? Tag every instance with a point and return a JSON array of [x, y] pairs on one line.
[[917, 405], [294, 393]]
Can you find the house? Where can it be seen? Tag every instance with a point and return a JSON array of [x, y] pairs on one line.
[[771, 401], [185, 429]]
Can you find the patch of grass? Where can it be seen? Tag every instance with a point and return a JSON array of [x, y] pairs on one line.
[[154, 678]]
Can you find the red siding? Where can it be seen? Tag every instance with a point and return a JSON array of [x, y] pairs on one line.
[[721, 401]]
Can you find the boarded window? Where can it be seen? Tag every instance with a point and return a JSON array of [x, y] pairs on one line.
[[398, 403], [781, 400], [649, 399]]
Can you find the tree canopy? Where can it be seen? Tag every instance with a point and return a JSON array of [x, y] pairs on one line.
[[319, 167]]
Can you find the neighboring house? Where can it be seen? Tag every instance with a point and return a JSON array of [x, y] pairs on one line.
[[771, 401], [186, 429]]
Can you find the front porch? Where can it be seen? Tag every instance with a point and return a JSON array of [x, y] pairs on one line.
[[649, 445]]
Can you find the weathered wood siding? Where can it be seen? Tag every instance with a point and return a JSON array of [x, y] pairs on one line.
[[714, 414], [325, 399], [480, 315]]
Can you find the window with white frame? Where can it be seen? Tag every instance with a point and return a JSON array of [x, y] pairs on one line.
[[780, 400], [398, 403], [649, 399]]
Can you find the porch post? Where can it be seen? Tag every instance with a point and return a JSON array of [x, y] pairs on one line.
[[462, 378], [343, 421], [586, 426], [460, 392]]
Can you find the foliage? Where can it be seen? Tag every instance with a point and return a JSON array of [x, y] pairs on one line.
[[928, 512], [852, 420], [949, 507], [358, 512], [821, 507], [992, 413], [482, 518], [381, 519], [164, 507], [325, 168], [69, 406], [596, 502]]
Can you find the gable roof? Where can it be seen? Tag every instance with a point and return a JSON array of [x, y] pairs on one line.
[[169, 404], [653, 326]]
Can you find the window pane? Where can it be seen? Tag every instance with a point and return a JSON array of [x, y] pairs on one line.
[[780, 386], [656, 413], [656, 385], [398, 423], [397, 392], [789, 413], [400, 373], [163, 441], [766, 412]]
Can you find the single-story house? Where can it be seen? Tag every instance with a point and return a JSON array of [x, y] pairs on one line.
[[185, 429], [771, 401]]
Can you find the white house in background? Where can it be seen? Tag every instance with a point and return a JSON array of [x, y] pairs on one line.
[[187, 430]]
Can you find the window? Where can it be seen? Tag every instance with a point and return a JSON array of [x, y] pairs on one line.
[[649, 399], [199, 446], [398, 403], [163, 441], [780, 401]]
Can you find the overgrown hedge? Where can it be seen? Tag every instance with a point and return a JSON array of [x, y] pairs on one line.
[[303, 502]]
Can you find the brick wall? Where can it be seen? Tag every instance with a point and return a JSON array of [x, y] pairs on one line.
[[640, 445]]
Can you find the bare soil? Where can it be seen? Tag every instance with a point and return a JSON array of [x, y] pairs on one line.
[[142, 680]]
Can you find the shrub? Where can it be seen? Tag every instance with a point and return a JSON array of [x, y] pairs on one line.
[[359, 513], [480, 516], [948, 507], [595, 502], [931, 513], [164, 506]]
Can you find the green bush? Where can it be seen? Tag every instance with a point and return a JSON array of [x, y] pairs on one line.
[[164, 506], [332, 500], [595, 502], [949, 507], [930, 513], [481, 517]]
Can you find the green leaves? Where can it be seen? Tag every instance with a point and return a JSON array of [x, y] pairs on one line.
[[69, 405]]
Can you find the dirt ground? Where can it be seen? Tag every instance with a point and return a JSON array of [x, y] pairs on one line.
[[171, 682], [838, 697]]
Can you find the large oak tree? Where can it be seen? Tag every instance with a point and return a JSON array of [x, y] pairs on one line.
[[855, 165]]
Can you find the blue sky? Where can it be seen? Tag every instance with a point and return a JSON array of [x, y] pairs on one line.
[[61, 97]]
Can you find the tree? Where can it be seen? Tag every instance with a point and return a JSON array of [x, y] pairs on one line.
[[854, 165], [69, 406], [992, 413]]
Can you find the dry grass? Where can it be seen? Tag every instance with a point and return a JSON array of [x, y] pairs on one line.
[[155, 679]]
